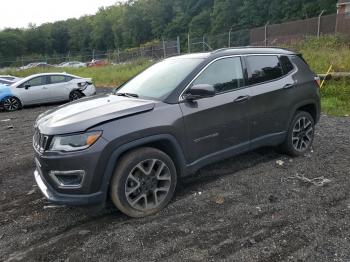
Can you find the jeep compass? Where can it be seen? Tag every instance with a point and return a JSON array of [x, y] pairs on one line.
[[180, 114]]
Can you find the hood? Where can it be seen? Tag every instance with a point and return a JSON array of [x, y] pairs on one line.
[[88, 112]]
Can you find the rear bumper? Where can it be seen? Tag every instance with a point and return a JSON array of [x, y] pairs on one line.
[[67, 199]]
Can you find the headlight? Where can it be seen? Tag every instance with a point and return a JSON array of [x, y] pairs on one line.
[[74, 142]]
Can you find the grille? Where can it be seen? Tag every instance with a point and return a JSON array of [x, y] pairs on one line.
[[40, 141]]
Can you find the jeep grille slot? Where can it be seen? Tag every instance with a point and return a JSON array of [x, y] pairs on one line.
[[40, 141]]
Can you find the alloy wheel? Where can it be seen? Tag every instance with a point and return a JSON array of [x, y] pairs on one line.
[[148, 184], [302, 134], [11, 104], [74, 96]]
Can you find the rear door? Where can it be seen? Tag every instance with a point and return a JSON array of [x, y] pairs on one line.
[[58, 87], [34, 91], [218, 123], [271, 86]]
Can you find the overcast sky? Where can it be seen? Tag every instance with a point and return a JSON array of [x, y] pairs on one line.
[[19, 13]]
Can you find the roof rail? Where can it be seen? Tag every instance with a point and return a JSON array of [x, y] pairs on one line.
[[243, 47]]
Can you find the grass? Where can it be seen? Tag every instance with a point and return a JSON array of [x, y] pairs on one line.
[[320, 54], [336, 97], [108, 76], [325, 51]]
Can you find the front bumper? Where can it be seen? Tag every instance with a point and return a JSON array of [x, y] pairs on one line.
[[66, 199], [90, 190]]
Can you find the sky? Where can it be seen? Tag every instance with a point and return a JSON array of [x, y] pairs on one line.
[[19, 13]]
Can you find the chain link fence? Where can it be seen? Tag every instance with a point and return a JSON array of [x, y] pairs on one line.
[[284, 33], [155, 51], [211, 42]]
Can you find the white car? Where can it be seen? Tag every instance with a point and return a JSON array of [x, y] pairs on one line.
[[44, 88], [73, 64], [10, 78]]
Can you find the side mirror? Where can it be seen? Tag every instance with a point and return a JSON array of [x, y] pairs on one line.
[[200, 91], [26, 86]]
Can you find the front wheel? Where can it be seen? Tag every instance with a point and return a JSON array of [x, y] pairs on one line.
[[11, 104], [144, 182], [300, 135]]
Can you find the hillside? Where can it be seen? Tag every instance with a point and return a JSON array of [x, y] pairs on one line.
[[130, 24]]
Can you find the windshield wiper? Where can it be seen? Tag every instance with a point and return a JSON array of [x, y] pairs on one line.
[[127, 95]]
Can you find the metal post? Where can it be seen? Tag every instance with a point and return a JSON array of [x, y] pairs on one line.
[[203, 43], [164, 48], [93, 54], [319, 24], [178, 45], [229, 37], [189, 44], [266, 27]]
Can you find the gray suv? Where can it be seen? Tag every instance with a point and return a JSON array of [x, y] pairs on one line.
[[169, 121]]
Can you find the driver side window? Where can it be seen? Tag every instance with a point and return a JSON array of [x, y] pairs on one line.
[[225, 75]]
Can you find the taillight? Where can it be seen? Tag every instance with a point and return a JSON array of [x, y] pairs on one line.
[[318, 81]]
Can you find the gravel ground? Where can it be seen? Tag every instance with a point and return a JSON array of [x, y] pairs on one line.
[[249, 208]]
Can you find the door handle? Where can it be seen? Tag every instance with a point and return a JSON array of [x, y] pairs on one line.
[[45, 87], [241, 99], [288, 86]]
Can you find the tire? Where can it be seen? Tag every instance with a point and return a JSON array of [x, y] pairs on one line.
[[143, 183], [11, 104], [75, 95], [300, 134]]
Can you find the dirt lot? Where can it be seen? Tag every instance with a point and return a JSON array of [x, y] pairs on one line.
[[249, 208]]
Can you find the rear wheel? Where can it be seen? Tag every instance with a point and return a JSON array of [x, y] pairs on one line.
[[75, 95], [300, 135], [11, 104], [144, 182]]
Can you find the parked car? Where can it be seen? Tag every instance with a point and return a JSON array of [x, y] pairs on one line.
[[169, 121], [97, 63], [73, 64], [33, 65], [45, 88], [6, 82], [10, 78]]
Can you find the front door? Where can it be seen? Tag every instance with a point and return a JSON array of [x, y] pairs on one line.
[[34, 91], [218, 125]]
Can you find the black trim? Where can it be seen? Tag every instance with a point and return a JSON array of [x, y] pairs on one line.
[[112, 162]]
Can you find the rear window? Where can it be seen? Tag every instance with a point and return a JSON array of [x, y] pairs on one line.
[[286, 65], [55, 79], [263, 69]]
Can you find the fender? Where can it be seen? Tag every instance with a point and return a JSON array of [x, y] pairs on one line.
[[111, 164], [304, 103], [5, 92]]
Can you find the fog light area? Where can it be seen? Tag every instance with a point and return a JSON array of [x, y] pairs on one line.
[[68, 179]]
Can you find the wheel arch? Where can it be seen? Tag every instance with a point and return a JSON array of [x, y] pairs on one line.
[[310, 106], [166, 143], [11, 95]]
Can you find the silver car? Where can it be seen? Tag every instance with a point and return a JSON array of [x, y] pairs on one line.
[[44, 88]]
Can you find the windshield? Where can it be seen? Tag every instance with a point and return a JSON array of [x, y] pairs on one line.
[[159, 80]]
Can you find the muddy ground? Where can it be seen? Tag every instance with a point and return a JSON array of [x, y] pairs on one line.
[[249, 208]]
